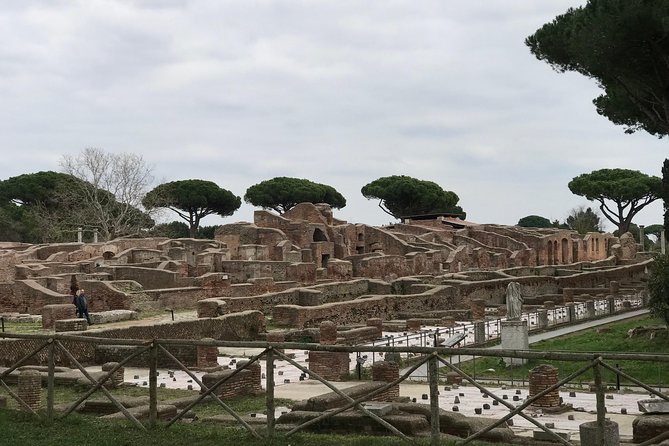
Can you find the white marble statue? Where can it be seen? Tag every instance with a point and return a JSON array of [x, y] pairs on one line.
[[514, 301]]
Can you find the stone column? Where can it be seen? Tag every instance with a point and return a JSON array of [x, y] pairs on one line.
[[571, 312], [117, 378], [588, 433], [479, 332], [590, 311], [542, 319], [611, 304], [207, 356], [30, 388]]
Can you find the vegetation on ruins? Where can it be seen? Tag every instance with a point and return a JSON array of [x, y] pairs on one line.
[[401, 196], [192, 200], [629, 191], [658, 287], [111, 191], [49, 207], [179, 229], [621, 44], [583, 220], [534, 221], [282, 193]]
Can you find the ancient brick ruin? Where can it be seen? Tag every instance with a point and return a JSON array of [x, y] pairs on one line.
[[304, 268]]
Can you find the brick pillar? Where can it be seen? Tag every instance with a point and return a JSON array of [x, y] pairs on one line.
[[117, 378], [333, 366], [542, 319], [207, 356], [590, 309], [479, 332], [328, 331], [478, 309], [386, 372], [413, 324], [571, 312], [30, 388], [274, 337], [377, 323], [611, 304], [541, 378], [255, 371], [614, 286], [567, 295]]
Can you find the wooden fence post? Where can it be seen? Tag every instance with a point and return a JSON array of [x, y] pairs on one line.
[[153, 384], [433, 374], [51, 382], [269, 391]]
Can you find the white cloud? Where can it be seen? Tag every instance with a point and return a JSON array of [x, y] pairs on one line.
[[337, 91]]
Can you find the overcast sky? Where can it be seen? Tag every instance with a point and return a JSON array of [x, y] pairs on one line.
[[341, 92]]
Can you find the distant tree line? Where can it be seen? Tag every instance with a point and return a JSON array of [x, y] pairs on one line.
[[109, 194]]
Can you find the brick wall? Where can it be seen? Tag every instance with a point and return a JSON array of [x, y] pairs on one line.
[[333, 366]]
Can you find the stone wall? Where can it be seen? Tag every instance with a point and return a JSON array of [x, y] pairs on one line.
[[246, 326]]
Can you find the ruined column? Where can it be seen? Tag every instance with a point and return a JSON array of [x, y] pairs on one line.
[[479, 332], [590, 311], [30, 388], [611, 304], [333, 366], [542, 319], [541, 378], [80, 235], [386, 372], [207, 356], [571, 312], [478, 309], [117, 378], [328, 332]]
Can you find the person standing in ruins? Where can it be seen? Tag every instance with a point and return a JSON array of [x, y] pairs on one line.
[[81, 302]]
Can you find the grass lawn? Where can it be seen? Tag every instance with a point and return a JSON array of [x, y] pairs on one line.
[[613, 339]]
